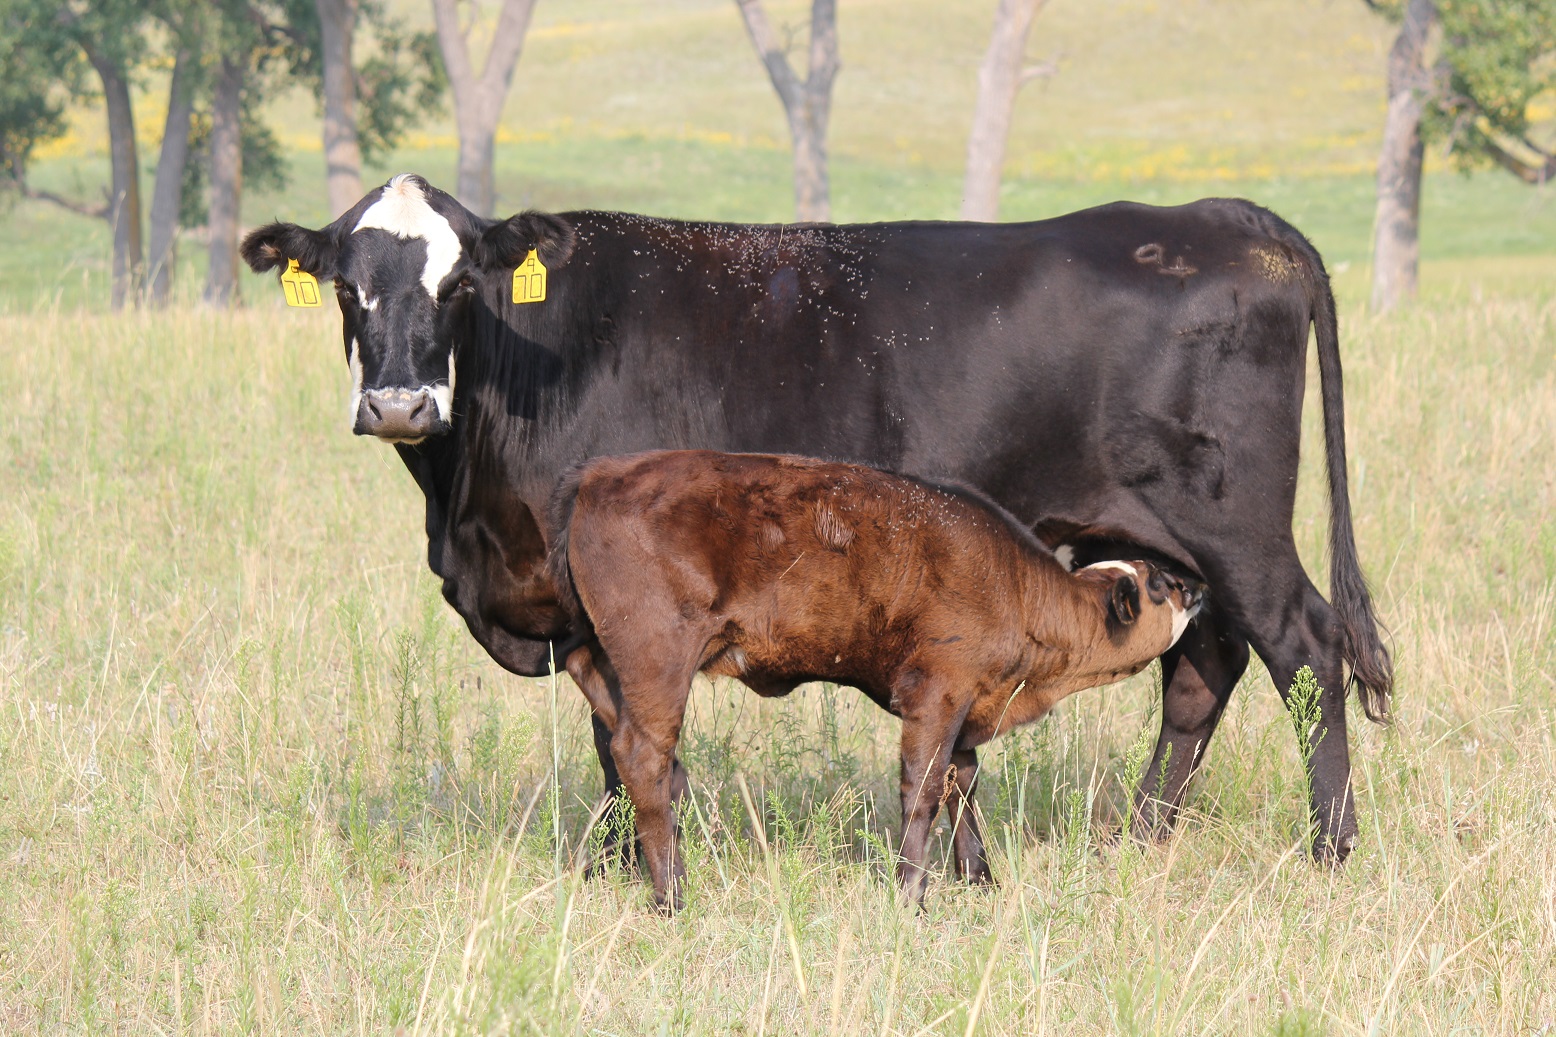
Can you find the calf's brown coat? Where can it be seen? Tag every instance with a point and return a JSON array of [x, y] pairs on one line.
[[780, 570]]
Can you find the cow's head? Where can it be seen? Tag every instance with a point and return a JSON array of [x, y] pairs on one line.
[[408, 261]]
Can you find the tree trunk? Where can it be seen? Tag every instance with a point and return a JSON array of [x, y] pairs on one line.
[[169, 184], [342, 152], [479, 97], [807, 103], [124, 202], [1396, 228], [1000, 78], [226, 181]]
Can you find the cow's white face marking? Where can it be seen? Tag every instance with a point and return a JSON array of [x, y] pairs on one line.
[[402, 210], [1066, 556], [443, 395], [356, 382], [368, 302]]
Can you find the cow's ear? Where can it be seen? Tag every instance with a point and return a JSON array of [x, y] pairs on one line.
[[273, 245], [1124, 601], [504, 245]]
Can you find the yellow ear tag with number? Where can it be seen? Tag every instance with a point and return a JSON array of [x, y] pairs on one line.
[[529, 280], [301, 287]]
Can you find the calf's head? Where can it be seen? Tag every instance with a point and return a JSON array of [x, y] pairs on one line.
[[1147, 607], [408, 261]]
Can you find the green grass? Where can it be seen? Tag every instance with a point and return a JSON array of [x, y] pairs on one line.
[[258, 779]]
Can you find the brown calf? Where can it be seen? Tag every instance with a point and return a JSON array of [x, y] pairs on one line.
[[781, 570]]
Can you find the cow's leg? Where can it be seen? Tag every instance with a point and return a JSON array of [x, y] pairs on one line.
[[591, 670], [1313, 638], [1198, 676], [966, 840], [1290, 625], [926, 761], [643, 746]]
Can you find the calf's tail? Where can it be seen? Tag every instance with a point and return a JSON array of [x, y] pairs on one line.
[[558, 567], [1372, 671]]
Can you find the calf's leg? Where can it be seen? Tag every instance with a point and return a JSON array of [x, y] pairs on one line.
[[967, 841], [926, 761], [647, 729], [592, 671], [1199, 674]]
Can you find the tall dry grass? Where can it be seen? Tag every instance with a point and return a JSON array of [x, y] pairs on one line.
[[254, 776]]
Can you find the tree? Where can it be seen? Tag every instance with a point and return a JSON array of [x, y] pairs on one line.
[[109, 34], [186, 25], [342, 149], [1396, 247], [479, 96], [367, 106], [1000, 78], [1493, 59], [807, 103]]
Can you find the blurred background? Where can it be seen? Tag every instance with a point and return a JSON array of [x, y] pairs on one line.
[[666, 107]]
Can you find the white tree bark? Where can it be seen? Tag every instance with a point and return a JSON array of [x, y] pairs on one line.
[[1000, 78], [807, 103], [342, 152], [169, 183], [226, 181], [479, 96], [1396, 251]]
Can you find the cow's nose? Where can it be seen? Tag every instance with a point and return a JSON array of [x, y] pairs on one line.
[[396, 414]]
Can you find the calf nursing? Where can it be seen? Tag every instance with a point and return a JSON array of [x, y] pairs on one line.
[[781, 570]]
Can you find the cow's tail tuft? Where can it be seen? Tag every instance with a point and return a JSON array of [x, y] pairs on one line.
[[558, 566], [1372, 671]]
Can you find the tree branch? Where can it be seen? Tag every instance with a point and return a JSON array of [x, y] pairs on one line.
[[1042, 70], [784, 80], [79, 208], [508, 44], [1529, 172]]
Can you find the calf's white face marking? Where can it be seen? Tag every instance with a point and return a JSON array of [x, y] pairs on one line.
[[1180, 620], [402, 210], [1066, 556], [1123, 567]]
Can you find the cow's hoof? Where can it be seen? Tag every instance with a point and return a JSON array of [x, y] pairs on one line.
[[1332, 853]]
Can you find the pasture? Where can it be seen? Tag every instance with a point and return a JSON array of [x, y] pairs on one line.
[[256, 778]]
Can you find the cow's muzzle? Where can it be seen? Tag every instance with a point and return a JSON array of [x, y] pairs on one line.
[[399, 415]]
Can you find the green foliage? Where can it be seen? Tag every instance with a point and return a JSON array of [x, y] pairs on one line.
[[1502, 58], [402, 82], [43, 69], [1495, 60]]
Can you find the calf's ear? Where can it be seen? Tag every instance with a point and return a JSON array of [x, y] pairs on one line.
[[273, 245], [1124, 601], [505, 244]]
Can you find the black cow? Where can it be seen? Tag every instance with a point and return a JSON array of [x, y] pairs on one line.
[[1128, 379]]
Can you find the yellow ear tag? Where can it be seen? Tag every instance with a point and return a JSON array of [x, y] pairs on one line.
[[529, 280], [301, 287]]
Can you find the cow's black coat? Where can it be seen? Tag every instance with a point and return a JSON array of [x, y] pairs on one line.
[[1123, 375]]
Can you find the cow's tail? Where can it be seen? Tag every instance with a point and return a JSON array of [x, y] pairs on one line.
[[1371, 668], [558, 566]]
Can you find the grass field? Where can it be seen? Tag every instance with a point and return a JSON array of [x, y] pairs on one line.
[[256, 778]]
